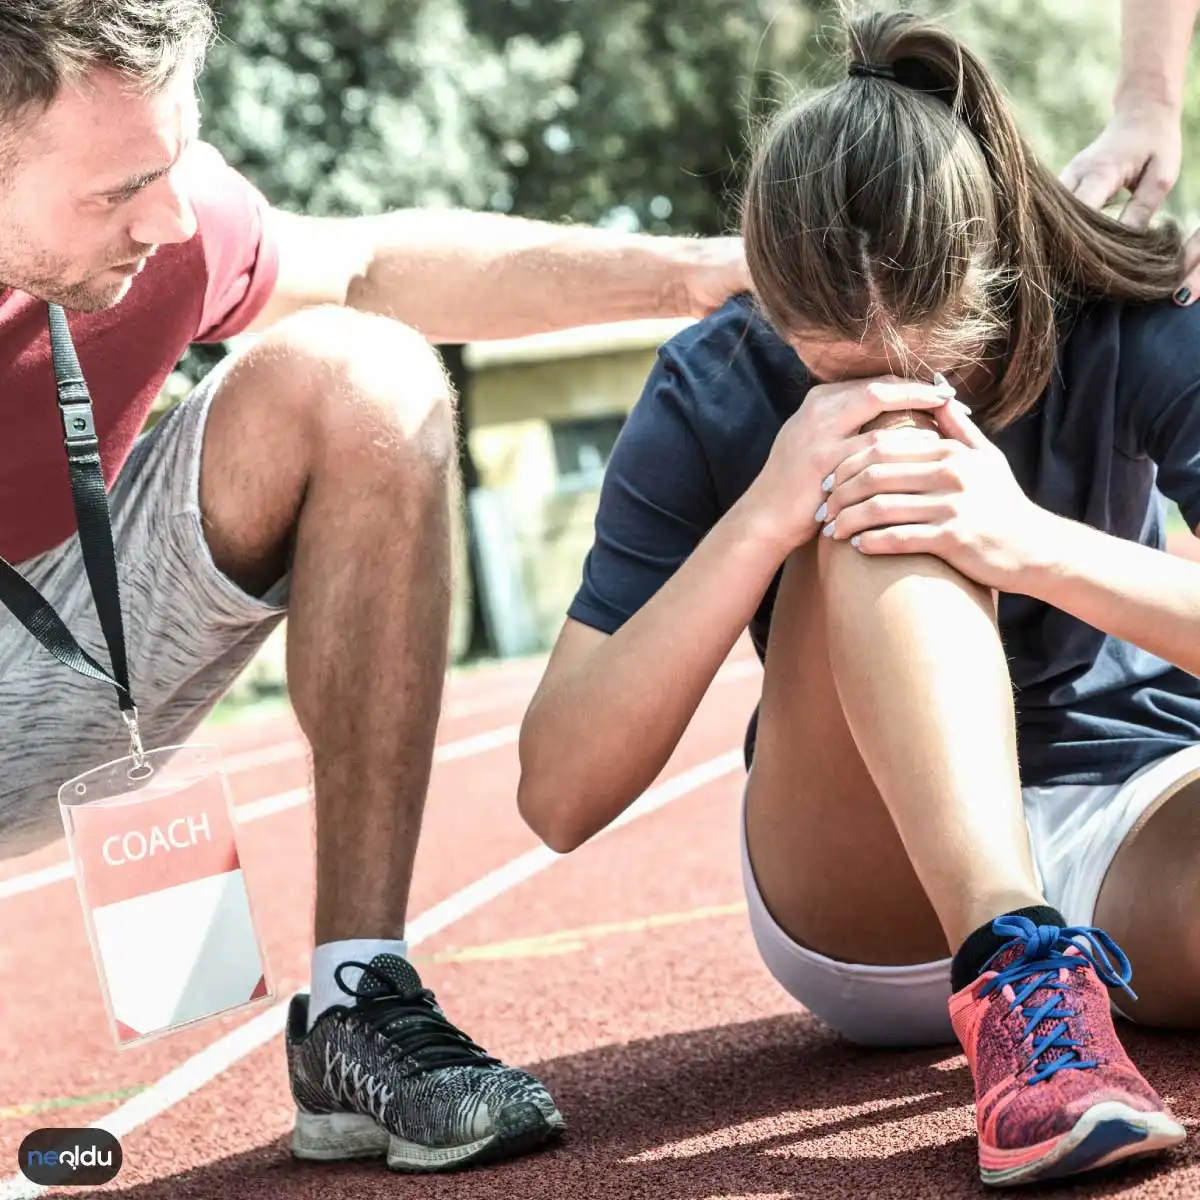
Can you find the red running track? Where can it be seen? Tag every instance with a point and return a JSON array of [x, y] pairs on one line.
[[624, 975]]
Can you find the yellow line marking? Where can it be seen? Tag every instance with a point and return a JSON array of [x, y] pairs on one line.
[[570, 941], [44, 1106]]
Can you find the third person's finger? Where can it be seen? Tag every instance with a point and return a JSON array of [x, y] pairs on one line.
[[1097, 187], [1150, 192]]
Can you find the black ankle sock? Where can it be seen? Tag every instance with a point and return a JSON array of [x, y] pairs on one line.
[[974, 953]]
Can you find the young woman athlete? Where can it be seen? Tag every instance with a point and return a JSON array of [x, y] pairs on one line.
[[978, 743]]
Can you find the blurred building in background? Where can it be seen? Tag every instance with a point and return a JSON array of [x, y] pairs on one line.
[[543, 414]]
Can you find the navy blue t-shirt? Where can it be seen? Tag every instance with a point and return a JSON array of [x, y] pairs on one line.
[[1119, 422]]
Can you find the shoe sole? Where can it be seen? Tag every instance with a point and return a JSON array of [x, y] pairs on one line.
[[1107, 1133], [341, 1137], [337, 1137]]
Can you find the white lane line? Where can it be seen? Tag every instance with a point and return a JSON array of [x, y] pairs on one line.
[[481, 743], [268, 756], [34, 880], [254, 810], [294, 749], [493, 739], [228, 1050]]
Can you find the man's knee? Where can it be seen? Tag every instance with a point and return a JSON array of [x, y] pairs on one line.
[[367, 387]]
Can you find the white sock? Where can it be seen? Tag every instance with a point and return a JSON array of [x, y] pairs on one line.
[[329, 956]]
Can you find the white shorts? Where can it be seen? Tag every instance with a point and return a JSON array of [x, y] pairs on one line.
[[1075, 833]]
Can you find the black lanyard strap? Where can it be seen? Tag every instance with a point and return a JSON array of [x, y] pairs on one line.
[[92, 515]]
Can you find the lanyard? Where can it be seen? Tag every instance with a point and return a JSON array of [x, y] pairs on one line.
[[22, 599]]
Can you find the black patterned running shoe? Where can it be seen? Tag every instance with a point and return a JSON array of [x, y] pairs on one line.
[[388, 1074]]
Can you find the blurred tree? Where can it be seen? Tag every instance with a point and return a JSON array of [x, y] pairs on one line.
[[663, 93], [628, 112], [356, 106]]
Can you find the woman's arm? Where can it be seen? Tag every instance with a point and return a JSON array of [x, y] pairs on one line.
[[957, 498], [1133, 592], [610, 710]]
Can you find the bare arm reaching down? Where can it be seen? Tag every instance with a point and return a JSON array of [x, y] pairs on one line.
[[1139, 149]]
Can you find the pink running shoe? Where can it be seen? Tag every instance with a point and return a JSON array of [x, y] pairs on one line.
[[1055, 1092]]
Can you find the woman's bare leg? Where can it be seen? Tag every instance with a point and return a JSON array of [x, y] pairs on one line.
[[884, 816]]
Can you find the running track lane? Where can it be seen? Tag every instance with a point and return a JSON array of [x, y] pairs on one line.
[[45, 966], [626, 976]]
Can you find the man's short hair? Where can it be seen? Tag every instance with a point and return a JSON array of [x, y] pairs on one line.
[[45, 44]]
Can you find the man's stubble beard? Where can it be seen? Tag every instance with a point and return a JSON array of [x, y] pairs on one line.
[[40, 274], [89, 299], [85, 297]]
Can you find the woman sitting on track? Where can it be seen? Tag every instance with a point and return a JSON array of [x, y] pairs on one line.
[[897, 229]]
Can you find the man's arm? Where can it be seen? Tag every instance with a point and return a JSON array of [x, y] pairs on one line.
[[460, 276], [1140, 147]]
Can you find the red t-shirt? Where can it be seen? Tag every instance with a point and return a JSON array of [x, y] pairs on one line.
[[204, 290]]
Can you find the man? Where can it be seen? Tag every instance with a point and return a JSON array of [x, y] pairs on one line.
[[311, 474], [1140, 148]]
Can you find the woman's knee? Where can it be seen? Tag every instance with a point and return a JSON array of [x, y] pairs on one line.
[[922, 583]]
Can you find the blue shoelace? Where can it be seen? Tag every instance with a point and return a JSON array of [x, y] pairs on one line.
[[1044, 955]]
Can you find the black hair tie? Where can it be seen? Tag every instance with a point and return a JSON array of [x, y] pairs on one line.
[[877, 70], [909, 72]]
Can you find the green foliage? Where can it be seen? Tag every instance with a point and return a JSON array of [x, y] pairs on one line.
[[629, 112], [634, 112], [665, 93], [359, 106]]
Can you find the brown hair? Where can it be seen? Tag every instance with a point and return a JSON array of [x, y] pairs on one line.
[[45, 44], [885, 207]]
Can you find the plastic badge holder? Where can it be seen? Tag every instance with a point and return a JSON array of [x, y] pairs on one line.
[[154, 846]]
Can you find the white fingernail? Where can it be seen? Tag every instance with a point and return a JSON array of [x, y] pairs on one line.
[[943, 385], [822, 512], [961, 406], [828, 530], [827, 483], [855, 541]]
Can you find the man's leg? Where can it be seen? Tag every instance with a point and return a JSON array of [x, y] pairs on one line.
[[330, 452]]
